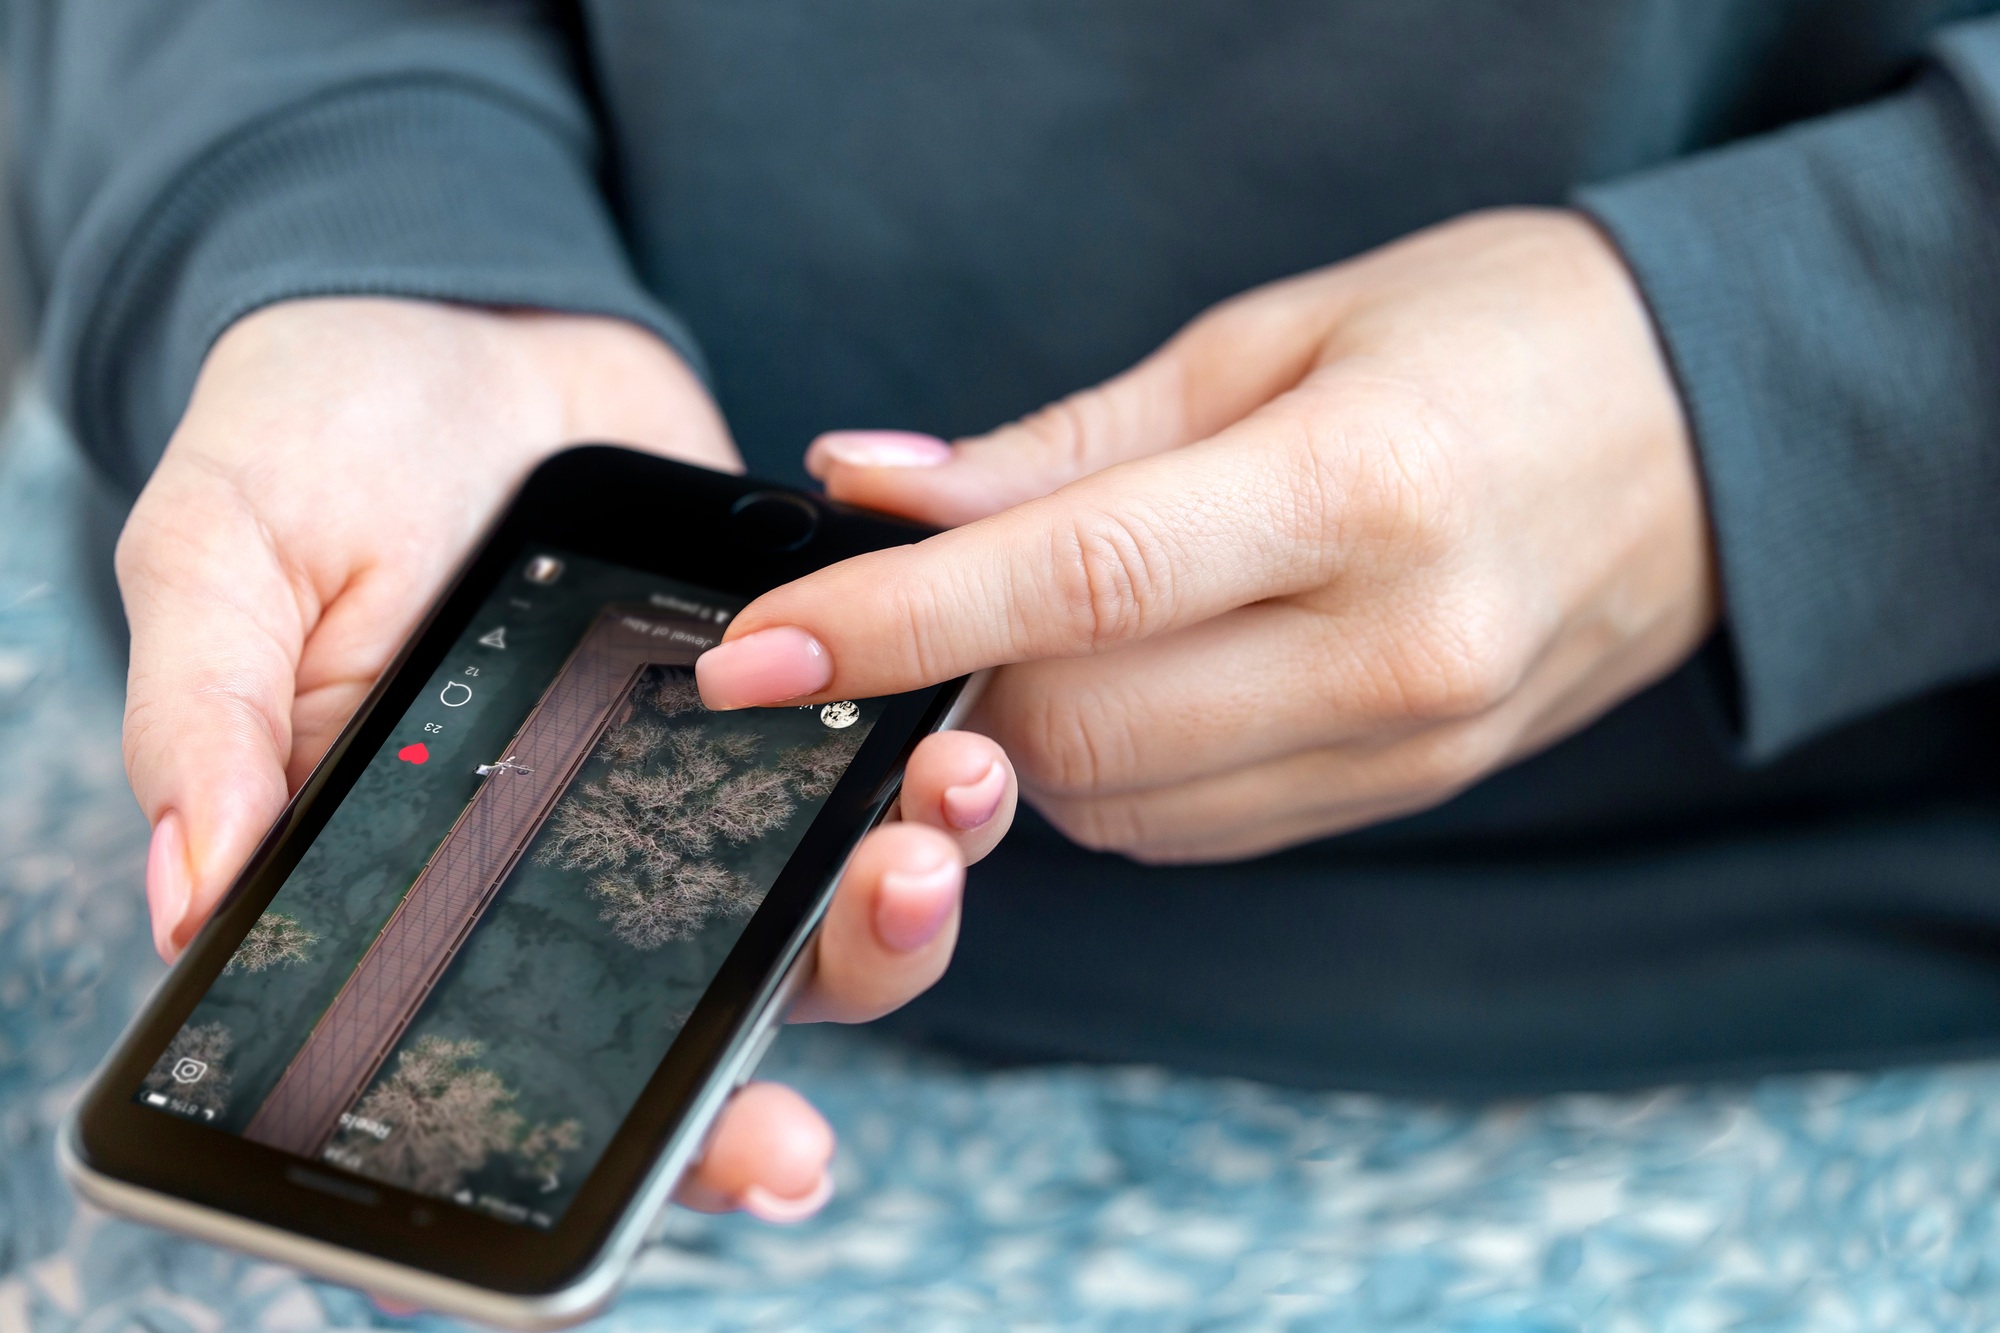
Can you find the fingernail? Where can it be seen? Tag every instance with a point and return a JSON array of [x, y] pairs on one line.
[[765, 1206], [876, 448], [168, 882], [970, 804], [767, 667], [913, 905]]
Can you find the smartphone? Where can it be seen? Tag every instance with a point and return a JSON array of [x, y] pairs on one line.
[[472, 1006]]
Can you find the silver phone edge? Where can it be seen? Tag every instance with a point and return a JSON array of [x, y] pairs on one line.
[[975, 685], [594, 1288], [591, 1291]]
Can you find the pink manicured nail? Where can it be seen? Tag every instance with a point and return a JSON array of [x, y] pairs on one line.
[[876, 448], [765, 1206], [168, 882], [969, 805], [913, 905], [767, 667]]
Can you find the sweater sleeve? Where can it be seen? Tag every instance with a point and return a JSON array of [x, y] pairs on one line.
[[1829, 298], [187, 161]]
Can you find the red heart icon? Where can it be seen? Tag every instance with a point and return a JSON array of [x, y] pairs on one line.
[[414, 754]]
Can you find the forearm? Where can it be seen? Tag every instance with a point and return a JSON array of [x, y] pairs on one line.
[[1830, 300]]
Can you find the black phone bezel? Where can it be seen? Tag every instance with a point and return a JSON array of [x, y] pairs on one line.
[[612, 504]]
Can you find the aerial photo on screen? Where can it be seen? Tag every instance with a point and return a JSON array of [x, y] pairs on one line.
[[465, 983]]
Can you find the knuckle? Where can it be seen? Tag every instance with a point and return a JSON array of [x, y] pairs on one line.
[[1112, 578], [1068, 743], [921, 613], [1111, 825], [143, 724], [913, 618], [242, 696], [142, 544], [1407, 492], [1076, 435], [1443, 764], [1415, 508], [1060, 432], [1459, 665]]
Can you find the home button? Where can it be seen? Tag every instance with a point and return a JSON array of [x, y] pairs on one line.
[[774, 521]]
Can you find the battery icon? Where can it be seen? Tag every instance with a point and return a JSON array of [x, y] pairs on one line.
[[156, 1099]]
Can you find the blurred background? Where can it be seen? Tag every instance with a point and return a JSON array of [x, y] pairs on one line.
[[15, 316]]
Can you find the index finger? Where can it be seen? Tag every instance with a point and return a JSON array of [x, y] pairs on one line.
[[1136, 550]]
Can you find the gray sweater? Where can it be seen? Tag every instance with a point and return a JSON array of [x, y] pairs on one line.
[[937, 216]]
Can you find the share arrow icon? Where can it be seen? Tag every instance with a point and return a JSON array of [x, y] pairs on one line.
[[495, 639]]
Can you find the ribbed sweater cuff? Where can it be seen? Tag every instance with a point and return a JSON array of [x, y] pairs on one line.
[[1829, 298], [429, 190]]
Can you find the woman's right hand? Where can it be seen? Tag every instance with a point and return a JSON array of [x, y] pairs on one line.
[[337, 461]]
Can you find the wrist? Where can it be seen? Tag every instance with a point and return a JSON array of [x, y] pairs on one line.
[[620, 383], [525, 383]]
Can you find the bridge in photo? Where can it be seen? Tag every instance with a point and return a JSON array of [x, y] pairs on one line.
[[386, 989]]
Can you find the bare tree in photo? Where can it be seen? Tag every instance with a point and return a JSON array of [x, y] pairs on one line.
[[275, 940], [195, 1067], [632, 743], [541, 1152], [750, 805], [673, 692], [815, 769], [446, 1115], [673, 799], [646, 917]]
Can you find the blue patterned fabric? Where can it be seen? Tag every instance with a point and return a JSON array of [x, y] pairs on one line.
[[1035, 1198]]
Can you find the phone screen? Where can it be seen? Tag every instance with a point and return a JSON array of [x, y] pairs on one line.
[[466, 982]]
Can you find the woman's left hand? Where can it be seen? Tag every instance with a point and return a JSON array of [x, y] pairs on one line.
[[1342, 547]]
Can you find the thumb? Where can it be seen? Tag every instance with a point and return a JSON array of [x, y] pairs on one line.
[[216, 634], [1216, 371]]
